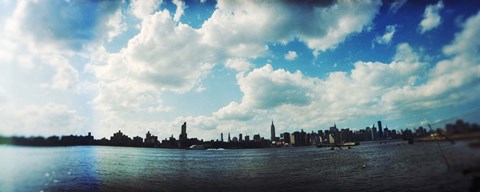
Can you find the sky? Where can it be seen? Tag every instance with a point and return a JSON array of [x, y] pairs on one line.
[[73, 67]]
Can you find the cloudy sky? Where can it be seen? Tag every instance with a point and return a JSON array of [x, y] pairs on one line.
[[72, 67]]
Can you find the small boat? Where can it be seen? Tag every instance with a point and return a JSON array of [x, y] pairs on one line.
[[347, 144], [215, 149], [197, 147]]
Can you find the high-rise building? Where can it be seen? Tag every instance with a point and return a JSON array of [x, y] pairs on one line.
[[240, 138], [380, 128], [229, 139], [150, 140], [369, 134], [256, 138], [183, 136], [221, 137], [272, 131], [286, 137]]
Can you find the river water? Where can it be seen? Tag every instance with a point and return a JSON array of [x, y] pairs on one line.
[[395, 166]]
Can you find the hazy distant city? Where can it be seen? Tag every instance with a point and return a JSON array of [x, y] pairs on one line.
[[330, 137]]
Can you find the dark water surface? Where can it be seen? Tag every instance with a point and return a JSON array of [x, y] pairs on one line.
[[395, 166]]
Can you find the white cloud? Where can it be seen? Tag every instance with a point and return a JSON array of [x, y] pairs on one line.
[[396, 5], [127, 96], [61, 24], [164, 56], [144, 8], [293, 99], [431, 17], [66, 76], [388, 36], [291, 55], [234, 111], [42, 38], [239, 64], [247, 25], [265, 88], [180, 9], [161, 56], [48, 119], [452, 81], [168, 56], [394, 89], [115, 25]]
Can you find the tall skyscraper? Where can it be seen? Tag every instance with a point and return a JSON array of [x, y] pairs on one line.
[[286, 137], [221, 137], [272, 130], [229, 139], [380, 128], [240, 138], [183, 136]]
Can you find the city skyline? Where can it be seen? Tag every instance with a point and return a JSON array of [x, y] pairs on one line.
[[332, 137], [231, 67]]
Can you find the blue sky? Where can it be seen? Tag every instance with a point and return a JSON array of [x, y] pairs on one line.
[[72, 67]]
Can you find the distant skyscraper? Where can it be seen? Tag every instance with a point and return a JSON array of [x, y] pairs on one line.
[[229, 139], [256, 138], [380, 128], [286, 137], [183, 136], [221, 137], [272, 130], [240, 138]]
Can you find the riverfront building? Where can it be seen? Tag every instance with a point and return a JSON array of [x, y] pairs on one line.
[[272, 132]]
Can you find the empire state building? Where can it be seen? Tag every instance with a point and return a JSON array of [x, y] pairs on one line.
[[272, 131]]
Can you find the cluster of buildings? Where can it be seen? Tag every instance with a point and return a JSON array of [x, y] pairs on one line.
[[333, 135], [66, 140]]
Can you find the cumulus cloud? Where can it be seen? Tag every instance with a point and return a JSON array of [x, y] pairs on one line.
[[168, 56], [115, 25], [179, 11], [452, 81], [293, 99], [234, 111], [144, 8], [239, 64], [66, 76], [160, 55], [431, 17], [62, 24], [43, 37], [48, 119], [368, 82], [127, 96], [291, 55], [388, 36], [247, 25], [265, 88]]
